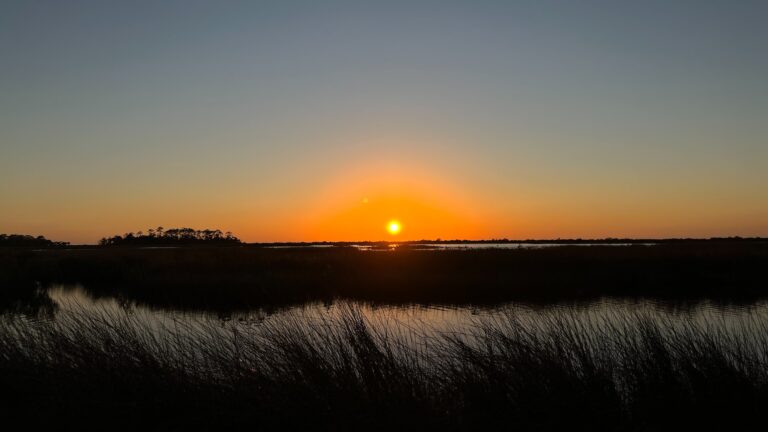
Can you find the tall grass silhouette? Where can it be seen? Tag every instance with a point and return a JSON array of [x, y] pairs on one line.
[[554, 370]]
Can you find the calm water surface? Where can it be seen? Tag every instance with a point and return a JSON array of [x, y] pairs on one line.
[[460, 246], [420, 322]]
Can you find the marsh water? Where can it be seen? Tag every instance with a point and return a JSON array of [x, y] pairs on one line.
[[417, 324], [460, 246]]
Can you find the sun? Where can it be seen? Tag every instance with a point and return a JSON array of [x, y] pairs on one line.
[[394, 227]]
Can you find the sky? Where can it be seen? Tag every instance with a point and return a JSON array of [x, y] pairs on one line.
[[324, 120]]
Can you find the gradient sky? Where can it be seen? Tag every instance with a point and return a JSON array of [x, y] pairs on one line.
[[321, 120]]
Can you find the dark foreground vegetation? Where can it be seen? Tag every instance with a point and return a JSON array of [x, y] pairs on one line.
[[246, 277], [561, 371], [118, 369]]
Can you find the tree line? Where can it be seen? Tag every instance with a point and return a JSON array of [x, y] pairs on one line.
[[172, 236], [21, 240]]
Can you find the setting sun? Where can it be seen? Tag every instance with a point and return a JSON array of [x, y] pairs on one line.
[[393, 227]]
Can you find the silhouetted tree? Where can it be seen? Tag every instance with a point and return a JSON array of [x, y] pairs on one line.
[[22, 240], [171, 236]]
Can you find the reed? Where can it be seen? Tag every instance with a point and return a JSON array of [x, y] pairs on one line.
[[557, 370]]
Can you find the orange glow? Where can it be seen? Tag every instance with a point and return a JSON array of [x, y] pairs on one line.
[[353, 206], [394, 227]]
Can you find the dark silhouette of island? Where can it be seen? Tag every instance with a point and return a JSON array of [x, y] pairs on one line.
[[25, 240], [171, 237]]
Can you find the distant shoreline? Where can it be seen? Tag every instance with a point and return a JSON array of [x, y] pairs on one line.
[[556, 241]]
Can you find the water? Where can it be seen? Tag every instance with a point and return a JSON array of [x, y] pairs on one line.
[[458, 246], [417, 323], [473, 246]]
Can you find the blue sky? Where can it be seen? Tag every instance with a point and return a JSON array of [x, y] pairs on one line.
[[544, 118]]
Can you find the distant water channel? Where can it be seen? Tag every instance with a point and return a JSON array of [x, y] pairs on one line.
[[416, 324], [455, 246], [471, 246]]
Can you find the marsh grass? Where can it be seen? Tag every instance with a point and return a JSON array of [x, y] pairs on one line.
[[245, 277], [559, 370]]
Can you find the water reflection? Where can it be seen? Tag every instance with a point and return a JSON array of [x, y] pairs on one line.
[[474, 246], [411, 322], [386, 246]]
